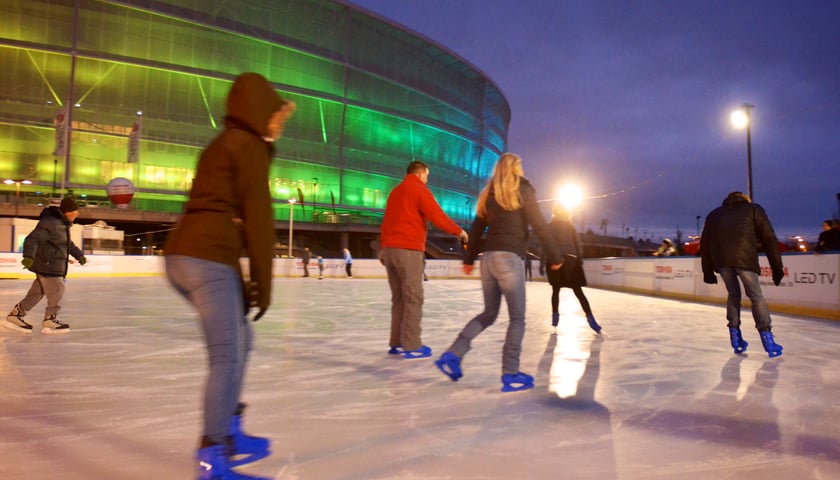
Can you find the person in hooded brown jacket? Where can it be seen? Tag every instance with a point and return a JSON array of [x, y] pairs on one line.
[[229, 213]]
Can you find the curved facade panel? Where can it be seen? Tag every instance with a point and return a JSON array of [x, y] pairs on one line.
[[371, 97]]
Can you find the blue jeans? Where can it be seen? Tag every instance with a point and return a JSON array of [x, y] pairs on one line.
[[215, 290], [501, 275], [760, 312]]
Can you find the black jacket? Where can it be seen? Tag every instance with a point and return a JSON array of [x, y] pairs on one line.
[[733, 235], [508, 230], [571, 274], [50, 245]]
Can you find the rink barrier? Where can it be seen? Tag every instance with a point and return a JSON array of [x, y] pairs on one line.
[[811, 285]]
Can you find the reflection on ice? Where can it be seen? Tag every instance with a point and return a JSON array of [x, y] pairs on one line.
[[658, 395]]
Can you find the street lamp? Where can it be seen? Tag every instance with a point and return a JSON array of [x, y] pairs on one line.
[[741, 119], [17, 183], [291, 222]]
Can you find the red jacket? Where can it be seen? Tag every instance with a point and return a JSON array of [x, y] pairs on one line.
[[410, 205]]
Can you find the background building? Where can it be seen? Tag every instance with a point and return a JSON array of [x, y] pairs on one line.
[[371, 97]]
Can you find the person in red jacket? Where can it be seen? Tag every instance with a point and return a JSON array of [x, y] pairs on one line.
[[410, 206]]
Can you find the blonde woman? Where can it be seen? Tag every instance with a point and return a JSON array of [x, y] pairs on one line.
[[506, 206]]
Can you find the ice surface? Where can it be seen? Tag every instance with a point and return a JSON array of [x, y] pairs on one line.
[[659, 395]]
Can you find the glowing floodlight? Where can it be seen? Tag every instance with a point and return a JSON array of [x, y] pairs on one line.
[[569, 196]]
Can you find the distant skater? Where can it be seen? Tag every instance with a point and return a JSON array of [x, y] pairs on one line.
[[348, 263], [46, 253], [571, 274]]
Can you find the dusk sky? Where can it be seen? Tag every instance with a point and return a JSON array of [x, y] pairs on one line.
[[631, 100]]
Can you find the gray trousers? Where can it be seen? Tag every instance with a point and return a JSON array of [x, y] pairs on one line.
[[405, 277], [51, 287]]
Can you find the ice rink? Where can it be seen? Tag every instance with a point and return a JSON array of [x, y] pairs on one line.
[[659, 395]]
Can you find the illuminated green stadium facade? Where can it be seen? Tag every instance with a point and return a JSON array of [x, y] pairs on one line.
[[371, 97]]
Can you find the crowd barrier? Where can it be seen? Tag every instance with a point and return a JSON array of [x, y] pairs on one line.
[[810, 286]]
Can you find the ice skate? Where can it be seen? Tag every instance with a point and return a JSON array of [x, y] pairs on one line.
[[555, 319], [515, 382], [739, 345], [213, 464], [770, 346], [450, 364], [421, 352], [14, 321], [245, 448], [54, 325], [593, 324]]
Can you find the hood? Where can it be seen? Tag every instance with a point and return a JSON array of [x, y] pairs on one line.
[[54, 212], [735, 198], [252, 101]]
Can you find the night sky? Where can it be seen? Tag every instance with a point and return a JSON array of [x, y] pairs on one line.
[[631, 100]]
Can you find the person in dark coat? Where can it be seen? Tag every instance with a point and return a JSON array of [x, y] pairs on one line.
[[732, 236], [829, 239], [307, 257], [46, 252], [571, 273], [230, 212]]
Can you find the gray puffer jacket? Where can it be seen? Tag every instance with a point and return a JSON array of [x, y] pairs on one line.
[[50, 245]]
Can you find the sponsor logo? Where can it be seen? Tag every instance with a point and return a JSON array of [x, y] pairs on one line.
[[820, 278]]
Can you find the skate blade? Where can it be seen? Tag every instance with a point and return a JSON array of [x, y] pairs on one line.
[[248, 458], [54, 331], [516, 388], [16, 328]]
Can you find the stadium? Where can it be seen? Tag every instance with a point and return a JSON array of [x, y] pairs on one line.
[[94, 91]]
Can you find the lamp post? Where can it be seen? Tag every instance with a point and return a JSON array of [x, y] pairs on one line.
[[740, 119], [291, 222], [17, 183]]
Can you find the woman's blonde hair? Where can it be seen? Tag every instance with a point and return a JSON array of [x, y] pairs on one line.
[[504, 183]]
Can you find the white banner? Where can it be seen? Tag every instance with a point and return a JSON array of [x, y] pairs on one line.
[[60, 123], [134, 140]]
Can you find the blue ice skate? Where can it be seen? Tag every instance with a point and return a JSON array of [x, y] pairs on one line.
[[421, 352], [213, 464], [245, 448], [739, 345], [770, 346], [514, 382], [450, 364], [593, 324]]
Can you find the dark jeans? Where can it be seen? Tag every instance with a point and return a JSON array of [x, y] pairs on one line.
[[760, 312]]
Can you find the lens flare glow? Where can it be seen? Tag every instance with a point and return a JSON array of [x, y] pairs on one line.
[[739, 119], [569, 196]]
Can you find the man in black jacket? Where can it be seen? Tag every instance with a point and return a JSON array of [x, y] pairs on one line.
[[732, 237], [46, 252]]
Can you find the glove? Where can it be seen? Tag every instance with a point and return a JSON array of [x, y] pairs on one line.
[[464, 237], [778, 275], [709, 277], [27, 262], [82, 261], [249, 294]]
